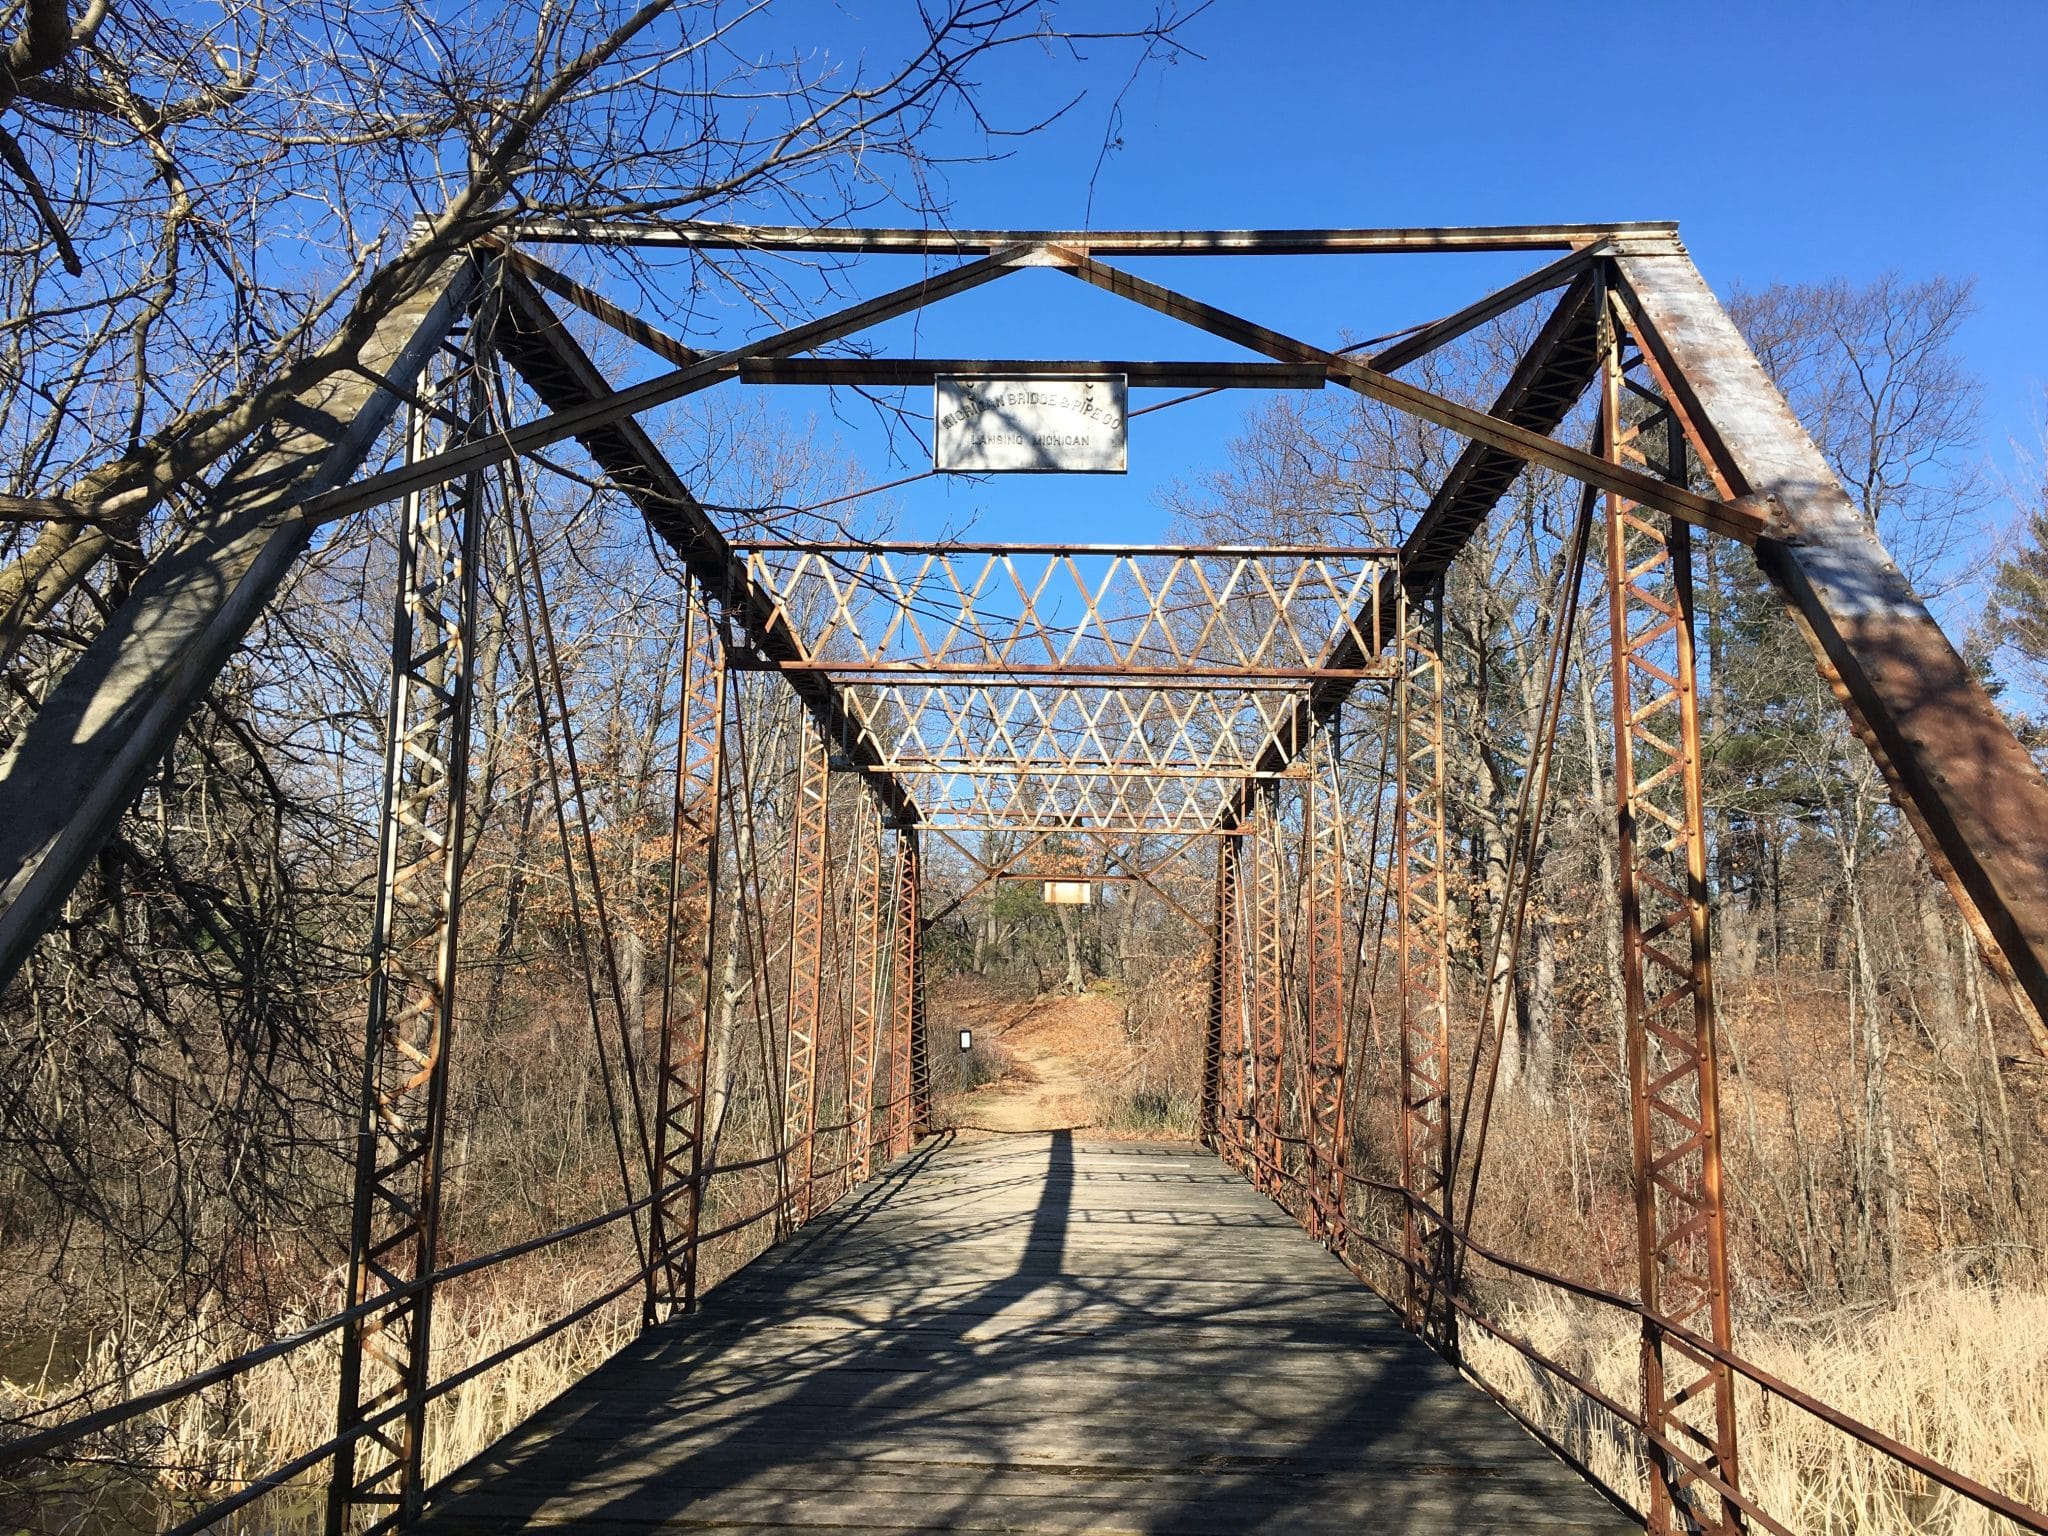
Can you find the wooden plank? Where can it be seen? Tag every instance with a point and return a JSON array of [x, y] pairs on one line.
[[942, 1353]]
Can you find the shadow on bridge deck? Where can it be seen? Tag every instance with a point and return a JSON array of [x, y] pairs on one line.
[[1030, 1334]]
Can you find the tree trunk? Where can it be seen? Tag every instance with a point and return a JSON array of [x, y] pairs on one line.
[[1070, 931]]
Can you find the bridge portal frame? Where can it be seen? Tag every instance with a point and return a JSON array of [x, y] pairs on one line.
[[1629, 303]]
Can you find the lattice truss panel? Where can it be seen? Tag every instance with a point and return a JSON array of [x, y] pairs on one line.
[[1028, 688], [1688, 1396], [865, 982], [1027, 611], [686, 998], [1422, 924], [385, 1370], [992, 727], [1321, 936], [1044, 801], [810, 874]]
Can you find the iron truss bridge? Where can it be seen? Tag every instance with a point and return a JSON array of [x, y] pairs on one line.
[[1255, 736]]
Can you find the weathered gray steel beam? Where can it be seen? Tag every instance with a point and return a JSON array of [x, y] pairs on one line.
[[895, 372], [86, 754], [1551, 377], [1102, 242], [555, 367], [1965, 783]]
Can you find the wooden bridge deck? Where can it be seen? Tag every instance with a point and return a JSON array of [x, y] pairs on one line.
[[1032, 1334]]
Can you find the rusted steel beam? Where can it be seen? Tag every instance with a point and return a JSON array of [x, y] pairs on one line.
[[1967, 785], [690, 955], [1422, 944], [1105, 242], [910, 372], [1548, 380], [989, 875], [1192, 675], [1158, 614], [540, 349], [1268, 1013], [909, 1079], [602, 309], [977, 821], [85, 755], [914, 1008], [1224, 979], [864, 1043], [1441, 332], [1667, 974], [1745, 522], [809, 886], [1320, 944], [882, 547], [611, 407], [377, 1482]]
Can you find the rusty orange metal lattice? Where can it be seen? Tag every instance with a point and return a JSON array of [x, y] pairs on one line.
[[810, 872], [385, 1355], [1689, 1396], [686, 991], [1422, 916]]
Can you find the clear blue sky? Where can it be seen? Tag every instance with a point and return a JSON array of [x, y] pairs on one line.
[[1792, 142]]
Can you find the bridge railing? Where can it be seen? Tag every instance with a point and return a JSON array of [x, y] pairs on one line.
[[1291, 1185], [73, 1438]]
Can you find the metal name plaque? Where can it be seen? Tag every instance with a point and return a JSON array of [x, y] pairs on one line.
[[1001, 423]]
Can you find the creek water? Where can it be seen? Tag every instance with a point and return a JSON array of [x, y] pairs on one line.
[[81, 1499]]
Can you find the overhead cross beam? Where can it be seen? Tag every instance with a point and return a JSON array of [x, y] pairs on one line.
[[1551, 376], [613, 406], [706, 236], [908, 372], [1745, 523]]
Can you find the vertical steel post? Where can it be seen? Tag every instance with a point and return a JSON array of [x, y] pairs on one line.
[[867, 986], [920, 1048], [1268, 1042], [809, 881], [1422, 955], [1688, 1398], [1225, 981], [907, 1079], [1323, 944], [690, 954], [377, 1480]]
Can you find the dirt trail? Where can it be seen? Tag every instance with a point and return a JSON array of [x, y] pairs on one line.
[[1057, 1045]]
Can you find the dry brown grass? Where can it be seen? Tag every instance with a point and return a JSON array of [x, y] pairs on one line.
[[191, 1452], [1960, 1373]]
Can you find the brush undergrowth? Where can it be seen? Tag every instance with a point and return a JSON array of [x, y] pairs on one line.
[[1960, 1373]]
